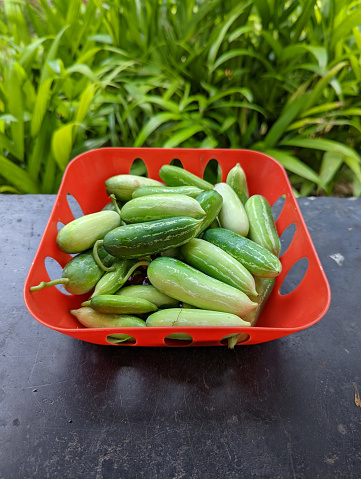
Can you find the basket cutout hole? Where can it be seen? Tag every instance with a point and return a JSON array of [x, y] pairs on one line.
[[138, 168], [287, 237], [74, 206], [115, 339], [294, 276], [178, 339], [176, 162], [54, 271], [243, 338], [277, 207], [212, 172], [59, 225]]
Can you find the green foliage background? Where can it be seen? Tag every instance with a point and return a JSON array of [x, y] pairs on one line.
[[282, 77]]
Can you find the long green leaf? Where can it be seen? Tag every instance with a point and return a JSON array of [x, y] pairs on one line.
[[351, 112], [53, 51], [54, 18], [320, 53], [152, 125], [354, 166], [163, 103], [182, 135], [355, 66], [17, 22], [238, 32], [323, 123], [110, 24], [88, 22], [278, 129], [16, 108], [48, 183], [83, 70], [61, 145], [293, 164], [197, 18], [232, 17], [238, 104], [72, 19], [263, 8], [28, 54], [17, 176], [316, 93], [238, 53], [274, 43], [41, 104], [101, 38], [7, 144], [356, 186], [84, 103], [246, 92], [357, 37], [323, 108], [303, 19], [87, 56], [40, 153], [323, 145], [36, 19], [331, 163], [352, 20]]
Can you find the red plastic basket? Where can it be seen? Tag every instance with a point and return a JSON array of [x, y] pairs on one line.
[[84, 179]]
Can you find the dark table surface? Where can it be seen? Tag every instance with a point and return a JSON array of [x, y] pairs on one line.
[[282, 409]]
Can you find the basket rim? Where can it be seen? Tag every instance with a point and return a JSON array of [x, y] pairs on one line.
[[262, 329]]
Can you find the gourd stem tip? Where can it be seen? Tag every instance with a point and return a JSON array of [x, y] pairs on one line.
[[46, 284]]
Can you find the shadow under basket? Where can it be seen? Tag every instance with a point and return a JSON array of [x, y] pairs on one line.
[[293, 305]]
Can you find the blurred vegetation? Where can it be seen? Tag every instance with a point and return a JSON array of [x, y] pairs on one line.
[[278, 77]]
